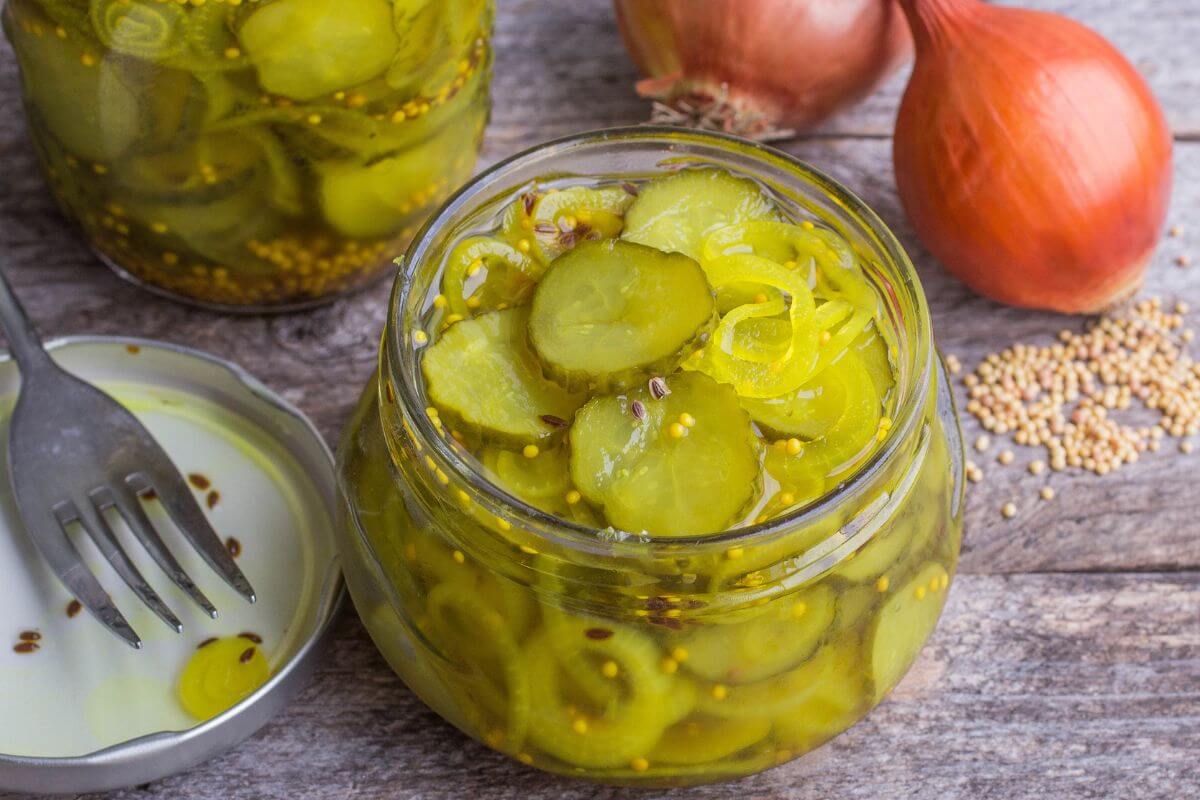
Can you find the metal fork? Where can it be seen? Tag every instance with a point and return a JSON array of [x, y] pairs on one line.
[[73, 453]]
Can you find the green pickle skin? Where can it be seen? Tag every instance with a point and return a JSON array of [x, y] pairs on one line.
[[252, 155], [660, 660]]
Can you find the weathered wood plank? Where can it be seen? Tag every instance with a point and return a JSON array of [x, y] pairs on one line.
[[563, 65], [1064, 686]]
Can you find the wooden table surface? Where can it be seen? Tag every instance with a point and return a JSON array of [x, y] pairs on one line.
[[1068, 661]]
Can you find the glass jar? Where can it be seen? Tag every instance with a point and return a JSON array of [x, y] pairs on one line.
[[632, 659], [252, 155]]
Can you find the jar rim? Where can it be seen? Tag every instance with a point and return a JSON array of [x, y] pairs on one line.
[[573, 535]]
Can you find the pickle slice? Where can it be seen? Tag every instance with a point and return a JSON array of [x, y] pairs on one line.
[[834, 703], [307, 48], [483, 273], [823, 403], [676, 213], [907, 619], [613, 313], [845, 416], [562, 219], [702, 740], [627, 459], [482, 374], [773, 696], [784, 635], [540, 480]]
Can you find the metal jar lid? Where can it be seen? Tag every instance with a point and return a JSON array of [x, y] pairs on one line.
[[81, 711]]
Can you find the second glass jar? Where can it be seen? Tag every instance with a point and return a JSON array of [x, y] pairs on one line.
[[253, 154]]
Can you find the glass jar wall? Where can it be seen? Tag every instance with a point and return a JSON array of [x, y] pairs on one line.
[[633, 659], [252, 154]]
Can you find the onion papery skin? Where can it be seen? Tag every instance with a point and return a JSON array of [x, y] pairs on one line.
[[779, 63], [1031, 157]]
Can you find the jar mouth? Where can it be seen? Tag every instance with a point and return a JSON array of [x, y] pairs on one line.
[[685, 147]]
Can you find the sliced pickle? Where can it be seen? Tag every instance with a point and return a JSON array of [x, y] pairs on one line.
[[613, 313], [873, 350], [701, 740], [729, 358], [882, 553], [847, 388], [90, 110], [482, 374], [907, 619], [307, 48], [818, 406], [584, 734], [212, 166], [562, 219], [676, 213], [535, 480], [629, 461], [776, 695], [484, 273], [838, 698], [771, 643]]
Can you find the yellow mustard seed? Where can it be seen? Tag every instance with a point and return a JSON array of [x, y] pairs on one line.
[[420, 337], [639, 764], [440, 301], [1047, 493], [919, 592], [824, 338], [719, 691], [530, 451], [1008, 510], [503, 524], [794, 447], [734, 553], [687, 420], [609, 669], [232, 53], [679, 654], [669, 666], [882, 583], [580, 725], [458, 557], [799, 609], [1006, 457], [787, 498], [676, 430]]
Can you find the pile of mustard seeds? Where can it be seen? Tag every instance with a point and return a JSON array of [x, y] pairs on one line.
[[1062, 397]]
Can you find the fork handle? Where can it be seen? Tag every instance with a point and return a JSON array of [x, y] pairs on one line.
[[23, 340]]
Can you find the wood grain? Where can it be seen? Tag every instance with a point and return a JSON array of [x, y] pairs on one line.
[[1074, 683]]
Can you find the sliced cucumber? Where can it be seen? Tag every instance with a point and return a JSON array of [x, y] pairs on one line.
[[821, 405], [907, 619], [545, 477], [612, 313], [838, 699], [776, 695], [677, 213], [786, 634], [630, 464], [702, 740], [598, 736], [306, 48], [481, 374], [849, 395], [882, 553], [563, 219], [484, 273]]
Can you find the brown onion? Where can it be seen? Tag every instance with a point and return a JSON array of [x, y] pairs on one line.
[[754, 67], [1032, 158]]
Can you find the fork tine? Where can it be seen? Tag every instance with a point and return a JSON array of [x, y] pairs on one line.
[[177, 498], [130, 509], [98, 528], [52, 542]]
